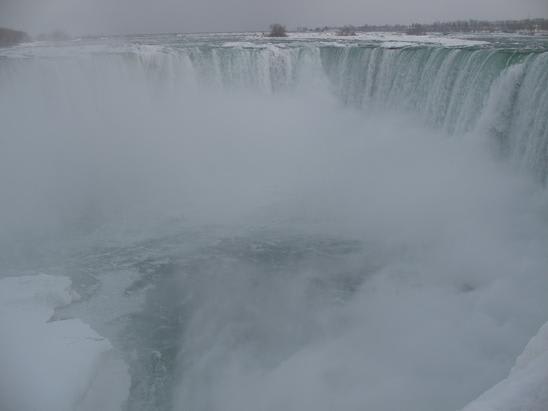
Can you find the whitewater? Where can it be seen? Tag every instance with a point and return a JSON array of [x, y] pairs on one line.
[[232, 222]]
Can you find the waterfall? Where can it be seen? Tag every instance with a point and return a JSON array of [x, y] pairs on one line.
[[499, 92], [300, 224]]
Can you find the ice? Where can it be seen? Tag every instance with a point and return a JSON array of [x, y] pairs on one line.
[[396, 44], [51, 365], [242, 44], [448, 41], [526, 388]]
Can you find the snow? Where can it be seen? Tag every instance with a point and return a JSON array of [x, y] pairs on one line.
[[526, 388], [51, 365], [396, 44], [239, 40], [242, 44], [448, 41]]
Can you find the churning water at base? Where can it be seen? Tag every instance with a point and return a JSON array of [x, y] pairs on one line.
[[305, 225]]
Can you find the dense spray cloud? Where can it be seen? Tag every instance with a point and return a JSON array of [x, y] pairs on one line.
[[363, 261], [145, 16], [268, 225]]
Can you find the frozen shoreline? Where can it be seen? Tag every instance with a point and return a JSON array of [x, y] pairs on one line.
[[66, 365], [387, 38], [526, 386], [53, 365]]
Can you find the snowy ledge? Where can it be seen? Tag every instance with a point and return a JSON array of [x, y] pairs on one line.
[[53, 365], [390, 40], [526, 388]]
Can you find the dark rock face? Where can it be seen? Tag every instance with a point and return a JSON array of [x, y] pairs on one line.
[[12, 37]]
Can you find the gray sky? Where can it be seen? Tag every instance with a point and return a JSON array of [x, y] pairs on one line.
[[149, 16]]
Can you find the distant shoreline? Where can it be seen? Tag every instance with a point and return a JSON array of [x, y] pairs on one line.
[[10, 37], [459, 26]]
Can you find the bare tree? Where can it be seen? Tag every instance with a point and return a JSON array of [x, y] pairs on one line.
[[277, 30], [416, 29], [347, 31]]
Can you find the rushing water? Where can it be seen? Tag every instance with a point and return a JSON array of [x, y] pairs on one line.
[[308, 224]]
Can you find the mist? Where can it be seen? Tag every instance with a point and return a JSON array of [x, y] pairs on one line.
[[257, 226]]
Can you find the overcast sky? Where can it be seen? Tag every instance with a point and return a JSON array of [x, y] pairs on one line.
[[153, 16]]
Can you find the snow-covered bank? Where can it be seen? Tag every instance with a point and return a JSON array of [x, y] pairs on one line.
[[53, 365], [526, 388], [386, 38]]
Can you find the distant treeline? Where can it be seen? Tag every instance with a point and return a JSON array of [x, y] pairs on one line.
[[12, 37], [460, 26]]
